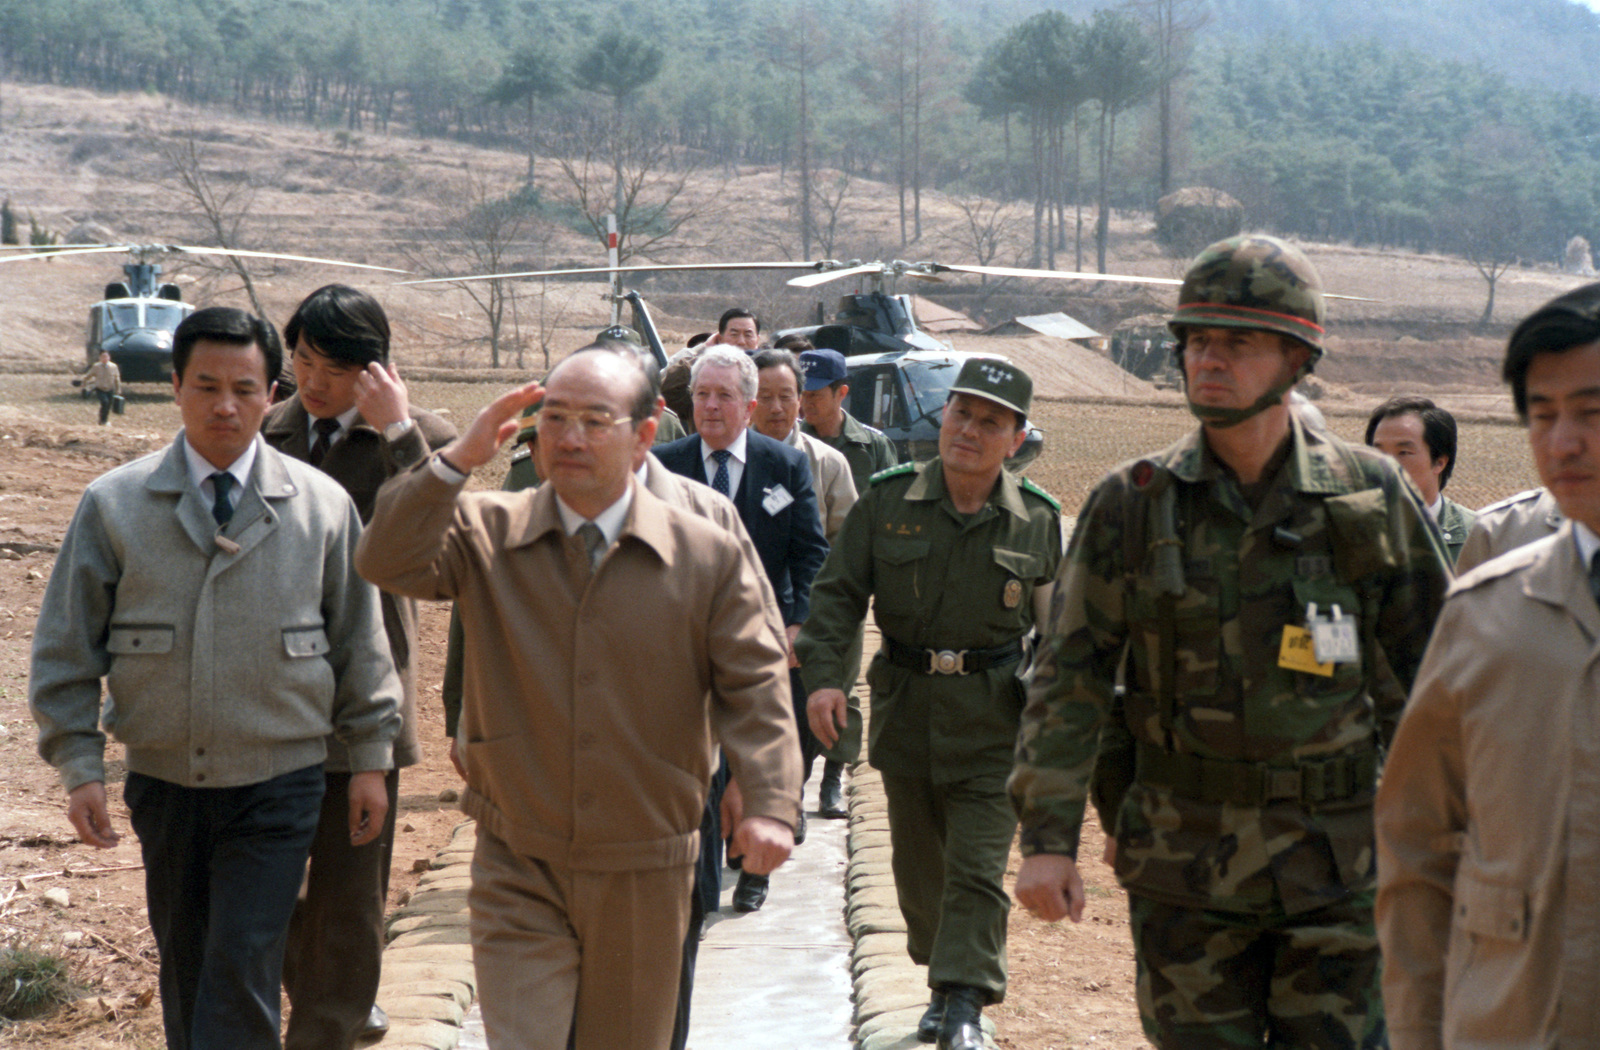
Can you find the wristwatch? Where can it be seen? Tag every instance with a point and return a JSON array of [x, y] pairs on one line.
[[395, 431]]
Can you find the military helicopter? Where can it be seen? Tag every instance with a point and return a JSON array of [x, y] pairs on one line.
[[135, 321], [900, 375]]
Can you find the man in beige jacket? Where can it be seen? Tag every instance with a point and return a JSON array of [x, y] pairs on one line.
[[611, 641], [1488, 818]]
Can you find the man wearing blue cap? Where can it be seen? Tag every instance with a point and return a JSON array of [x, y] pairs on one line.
[[868, 451]]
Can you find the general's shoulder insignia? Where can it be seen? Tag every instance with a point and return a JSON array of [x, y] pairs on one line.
[[1029, 486], [893, 472]]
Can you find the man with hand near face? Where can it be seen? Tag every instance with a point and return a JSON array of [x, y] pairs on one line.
[[587, 774], [211, 585], [349, 417]]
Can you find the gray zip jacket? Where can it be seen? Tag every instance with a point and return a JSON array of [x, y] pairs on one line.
[[228, 654]]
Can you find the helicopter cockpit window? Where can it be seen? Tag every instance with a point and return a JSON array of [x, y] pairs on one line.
[[929, 382], [163, 316], [121, 318]]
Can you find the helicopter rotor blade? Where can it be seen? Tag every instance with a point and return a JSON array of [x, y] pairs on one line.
[[278, 255], [644, 268], [811, 280], [1060, 275], [1012, 271], [56, 254]]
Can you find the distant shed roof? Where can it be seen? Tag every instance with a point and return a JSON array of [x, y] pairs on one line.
[[1058, 325], [935, 318]]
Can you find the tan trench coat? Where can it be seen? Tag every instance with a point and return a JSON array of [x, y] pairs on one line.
[[1488, 818], [592, 706]]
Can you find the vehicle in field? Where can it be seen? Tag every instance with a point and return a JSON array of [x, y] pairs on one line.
[[135, 321]]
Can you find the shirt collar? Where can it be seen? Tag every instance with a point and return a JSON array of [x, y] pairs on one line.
[[200, 469], [736, 449], [610, 520], [1436, 507], [1588, 542], [347, 419]]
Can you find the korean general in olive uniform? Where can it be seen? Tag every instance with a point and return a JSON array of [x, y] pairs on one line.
[[950, 555], [1264, 592]]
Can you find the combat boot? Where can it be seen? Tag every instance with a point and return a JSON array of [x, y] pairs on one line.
[[962, 1027], [830, 795], [932, 1018]]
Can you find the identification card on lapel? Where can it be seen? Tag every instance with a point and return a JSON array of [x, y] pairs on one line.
[[777, 497], [1333, 636]]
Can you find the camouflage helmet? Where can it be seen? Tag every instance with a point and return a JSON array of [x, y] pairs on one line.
[[1252, 281]]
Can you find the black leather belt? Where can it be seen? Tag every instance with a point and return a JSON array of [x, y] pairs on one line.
[[951, 661], [1257, 783]]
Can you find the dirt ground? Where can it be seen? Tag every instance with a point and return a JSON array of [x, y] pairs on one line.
[[74, 158], [1071, 986]]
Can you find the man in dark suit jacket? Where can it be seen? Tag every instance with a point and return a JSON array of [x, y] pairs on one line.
[[770, 484], [351, 418]]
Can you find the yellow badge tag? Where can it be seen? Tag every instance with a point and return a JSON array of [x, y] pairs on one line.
[[1298, 654], [1012, 595]]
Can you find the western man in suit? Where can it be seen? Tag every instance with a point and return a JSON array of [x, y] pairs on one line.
[[770, 484], [1488, 817], [350, 417]]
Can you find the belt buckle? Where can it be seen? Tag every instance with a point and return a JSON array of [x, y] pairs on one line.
[[947, 661], [1283, 784]]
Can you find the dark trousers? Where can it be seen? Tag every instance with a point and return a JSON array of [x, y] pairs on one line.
[[105, 397], [335, 950], [222, 868], [810, 746]]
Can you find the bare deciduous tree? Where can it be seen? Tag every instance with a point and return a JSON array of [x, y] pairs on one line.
[[490, 230], [221, 200], [648, 184]]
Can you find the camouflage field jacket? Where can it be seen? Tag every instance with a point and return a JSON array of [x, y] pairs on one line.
[[1232, 781]]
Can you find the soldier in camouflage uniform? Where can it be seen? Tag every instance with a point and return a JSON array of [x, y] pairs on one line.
[[952, 555], [1263, 594]]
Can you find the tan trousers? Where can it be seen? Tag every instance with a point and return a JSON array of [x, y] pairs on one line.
[[596, 952]]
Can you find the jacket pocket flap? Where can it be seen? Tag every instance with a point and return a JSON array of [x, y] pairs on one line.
[[122, 641], [1020, 564], [1489, 910], [1360, 525], [305, 641], [900, 552]]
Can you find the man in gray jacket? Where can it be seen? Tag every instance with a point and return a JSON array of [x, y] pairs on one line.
[[224, 674]]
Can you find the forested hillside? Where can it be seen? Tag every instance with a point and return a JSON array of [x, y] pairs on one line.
[[1356, 120]]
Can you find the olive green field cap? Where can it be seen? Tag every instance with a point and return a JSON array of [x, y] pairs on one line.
[[999, 381], [1252, 281], [619, 333]]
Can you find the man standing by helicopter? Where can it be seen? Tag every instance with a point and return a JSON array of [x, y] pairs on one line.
[[104, 378]]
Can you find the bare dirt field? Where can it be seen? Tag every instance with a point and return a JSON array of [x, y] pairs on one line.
[[71, 158]]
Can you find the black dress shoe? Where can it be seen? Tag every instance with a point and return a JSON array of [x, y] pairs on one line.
[[830, 796], [962, 1027], [800, 830], [377, 1024], [751, 892], [928, 1027]]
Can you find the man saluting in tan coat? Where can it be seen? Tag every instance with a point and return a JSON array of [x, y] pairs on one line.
[[587, 728]]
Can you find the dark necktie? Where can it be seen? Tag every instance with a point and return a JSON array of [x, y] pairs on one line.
[[1594, 575], [222, 506], [594, 541], [325, 429], [719, 480]]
